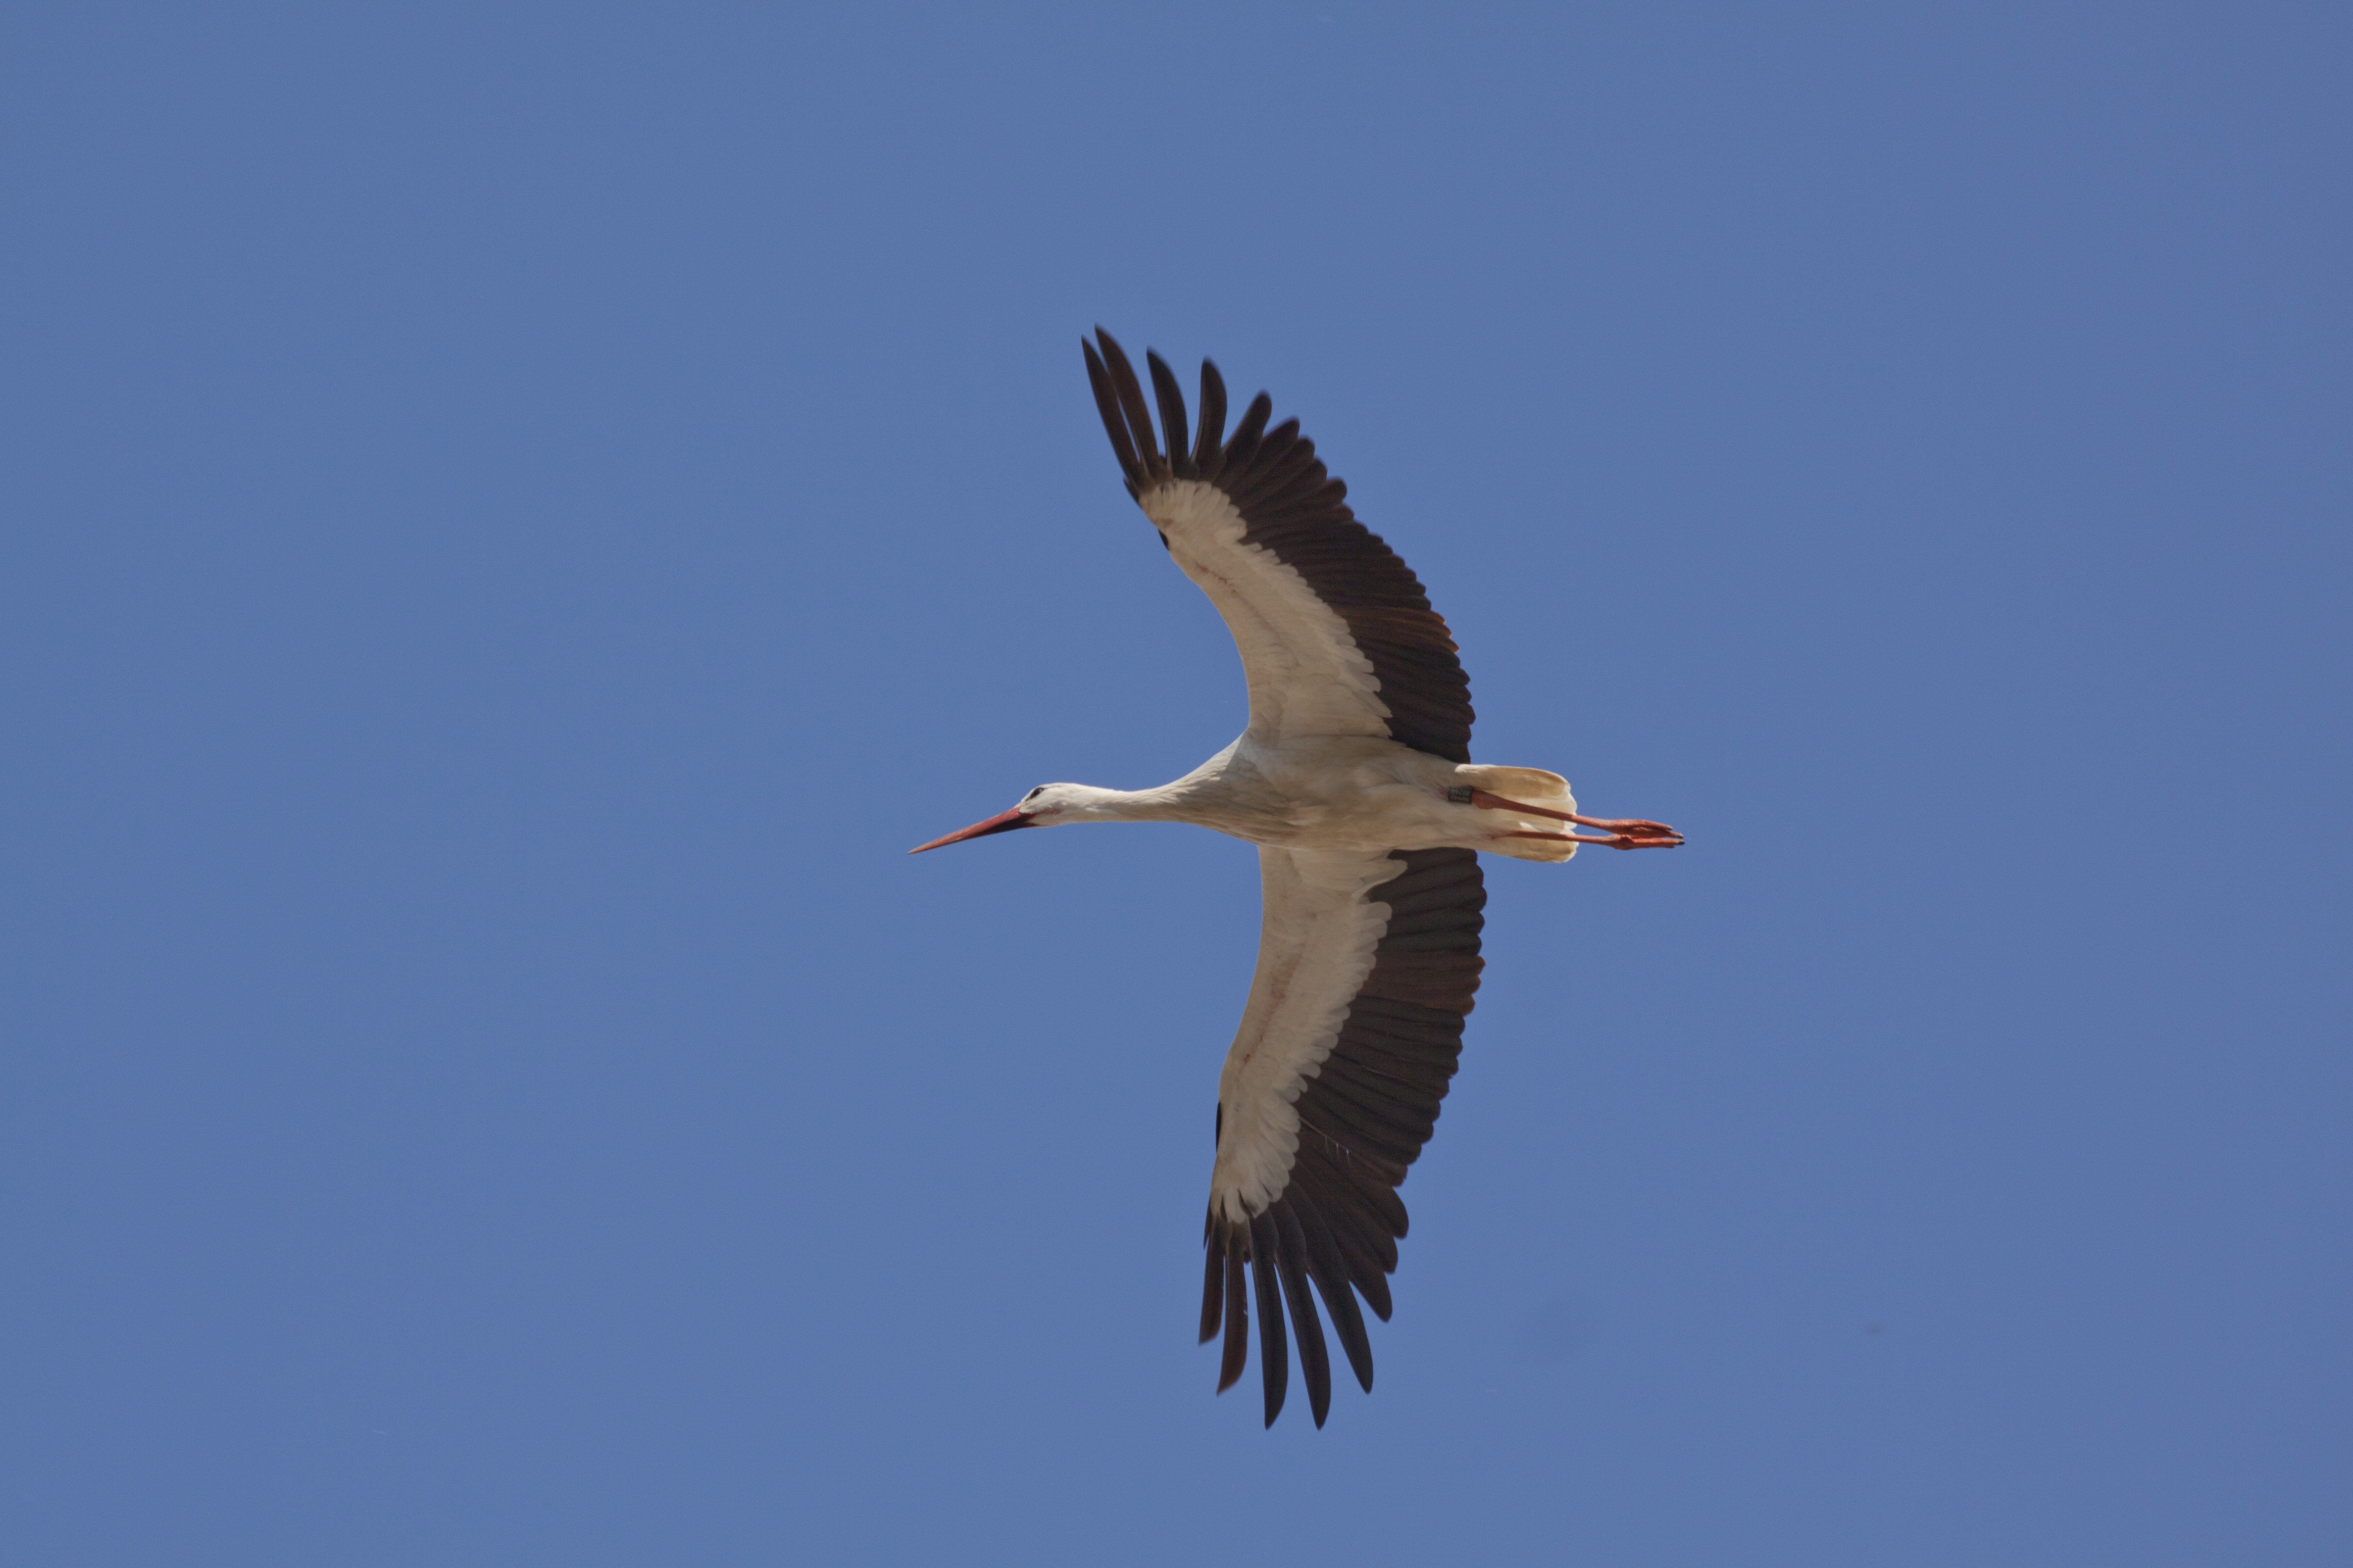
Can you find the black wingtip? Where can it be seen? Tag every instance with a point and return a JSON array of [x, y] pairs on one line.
[[1327, 1265], [1172, 415], [1213, 1295], [1114, 422], [1246, 435], [1237, 1349], [1130, 403], [1274, 1352], [1210, 443], [1291, 1267]]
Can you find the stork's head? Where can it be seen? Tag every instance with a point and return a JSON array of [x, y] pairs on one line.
[[1045, 806]]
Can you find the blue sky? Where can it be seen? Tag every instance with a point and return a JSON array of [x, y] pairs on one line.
[[515, 518]]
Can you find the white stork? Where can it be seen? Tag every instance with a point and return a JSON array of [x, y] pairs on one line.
[[1355, 780]]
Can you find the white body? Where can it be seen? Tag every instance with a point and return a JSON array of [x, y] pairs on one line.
[[1334, 792]]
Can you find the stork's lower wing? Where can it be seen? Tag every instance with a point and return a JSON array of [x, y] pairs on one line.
[[1337, 636], [1367, 963]]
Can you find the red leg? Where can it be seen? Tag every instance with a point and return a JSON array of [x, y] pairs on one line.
[[1615, 841], [1629, 825], [1625, 833]]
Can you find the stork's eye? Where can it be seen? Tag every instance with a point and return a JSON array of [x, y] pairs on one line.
[[1033, 794]]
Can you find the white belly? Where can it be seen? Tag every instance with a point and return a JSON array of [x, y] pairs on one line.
[[1364, 793]]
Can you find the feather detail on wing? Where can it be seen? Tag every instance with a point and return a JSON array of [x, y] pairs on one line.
[[1367, 964], [1335, 634]]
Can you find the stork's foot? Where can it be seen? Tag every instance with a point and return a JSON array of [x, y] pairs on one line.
[[1633, 833], [1623, 832]]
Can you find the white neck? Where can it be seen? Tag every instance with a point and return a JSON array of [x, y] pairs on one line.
[[1164, 803]]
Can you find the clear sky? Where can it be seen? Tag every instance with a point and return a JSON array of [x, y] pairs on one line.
[[513, 520]]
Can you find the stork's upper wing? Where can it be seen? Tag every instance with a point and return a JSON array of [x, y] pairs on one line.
[[1367, 965], [1337, 636]]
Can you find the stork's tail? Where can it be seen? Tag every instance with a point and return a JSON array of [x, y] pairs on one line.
[[1545, 837]]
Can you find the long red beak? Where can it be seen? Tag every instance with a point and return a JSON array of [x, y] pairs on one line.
[[1003, 821]]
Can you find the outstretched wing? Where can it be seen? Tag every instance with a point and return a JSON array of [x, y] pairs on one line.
[[1337, 636], [1366, 965]]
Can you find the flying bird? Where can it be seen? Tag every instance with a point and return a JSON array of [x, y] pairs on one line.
[[1355, 780]]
